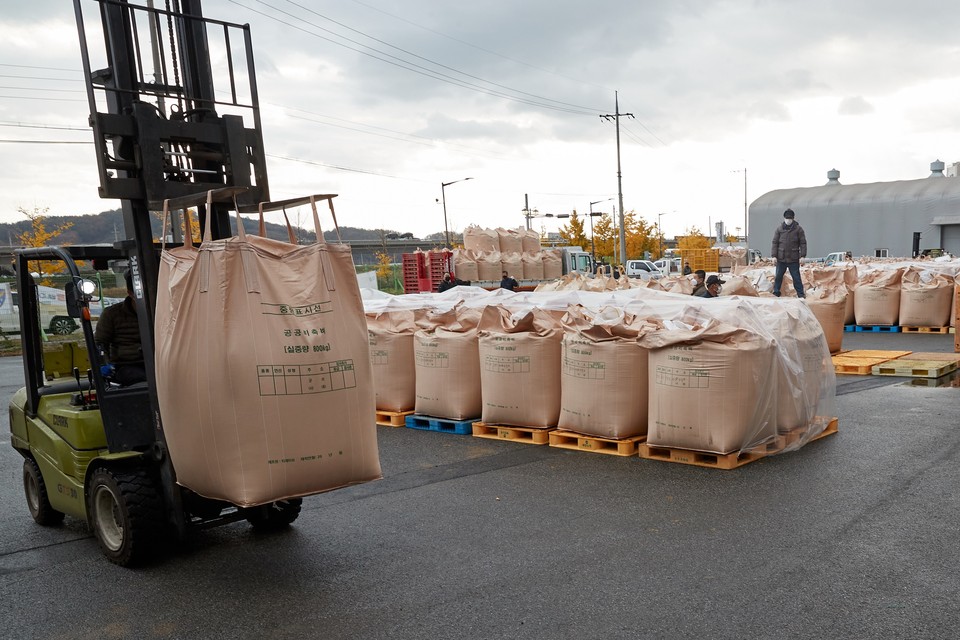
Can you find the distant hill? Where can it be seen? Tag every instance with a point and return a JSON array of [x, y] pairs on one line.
[[107, 227]]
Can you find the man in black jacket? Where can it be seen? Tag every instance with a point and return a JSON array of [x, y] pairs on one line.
[[118, 335], [789, 246], [508, 283]]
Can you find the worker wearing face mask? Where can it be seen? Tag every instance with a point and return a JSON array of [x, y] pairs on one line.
[[789, 246]]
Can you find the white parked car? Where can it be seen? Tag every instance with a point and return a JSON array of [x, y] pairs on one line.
[[643, 269]]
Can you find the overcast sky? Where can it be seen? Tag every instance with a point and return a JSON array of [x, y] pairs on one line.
[[785, 89]]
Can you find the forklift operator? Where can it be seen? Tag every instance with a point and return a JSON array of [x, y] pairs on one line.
[[118, 337]]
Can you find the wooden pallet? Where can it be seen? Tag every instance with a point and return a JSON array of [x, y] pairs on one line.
[[734, 459], [441, 425], [525, 435], [610, 446], [949, 380], [700, 458], [914, 368], [862, 361], [875, 353], [784, 440], [392, 418], [935, 356], [941, 330]]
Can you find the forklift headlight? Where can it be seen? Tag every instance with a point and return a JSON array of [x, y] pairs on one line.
[[88, 287]]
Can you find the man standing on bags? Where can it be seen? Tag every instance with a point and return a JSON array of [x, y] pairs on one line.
[[789, 246]]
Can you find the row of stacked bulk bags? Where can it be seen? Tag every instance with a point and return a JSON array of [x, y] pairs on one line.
[[716, 376], [472, 265], [520, 240]]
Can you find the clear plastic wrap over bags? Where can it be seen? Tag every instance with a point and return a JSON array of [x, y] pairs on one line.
[[722, 375]]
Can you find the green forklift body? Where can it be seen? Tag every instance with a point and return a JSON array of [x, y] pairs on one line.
[[67, 441]]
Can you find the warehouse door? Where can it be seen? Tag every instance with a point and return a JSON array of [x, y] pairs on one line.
[[950, 233]]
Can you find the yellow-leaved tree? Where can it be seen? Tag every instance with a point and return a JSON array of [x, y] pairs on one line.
[[39, 235], [641, 236], [573, 232], [693, 239]]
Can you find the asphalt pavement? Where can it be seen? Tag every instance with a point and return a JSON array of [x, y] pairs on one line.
[[852, 536]]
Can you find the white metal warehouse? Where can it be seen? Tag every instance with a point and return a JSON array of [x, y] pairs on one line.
[[875, 219]]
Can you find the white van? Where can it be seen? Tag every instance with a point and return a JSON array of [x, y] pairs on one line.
[[643, 269]]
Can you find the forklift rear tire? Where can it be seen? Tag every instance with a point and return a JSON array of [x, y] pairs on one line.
[[125, 514], [37, 500], [274, 516]]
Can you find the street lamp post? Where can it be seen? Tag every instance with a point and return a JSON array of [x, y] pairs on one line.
[[443, 194], [593, 246], [660, 231]]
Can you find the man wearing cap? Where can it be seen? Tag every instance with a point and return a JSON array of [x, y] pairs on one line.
[[789, 246], [711, 288]]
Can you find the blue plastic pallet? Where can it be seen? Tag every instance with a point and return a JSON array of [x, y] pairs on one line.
[[878, 329], [850, 328], [429, 423]]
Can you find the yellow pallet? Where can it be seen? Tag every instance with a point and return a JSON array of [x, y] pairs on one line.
[[735, 459], [914, 368], [943, 330], [874, 353], [524, 435], [393, 418], [610, 446]]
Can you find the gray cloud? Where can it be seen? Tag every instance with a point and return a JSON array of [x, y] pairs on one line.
[[854, 106]]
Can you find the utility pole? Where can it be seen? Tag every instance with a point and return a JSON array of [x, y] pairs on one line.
[[615, 116]]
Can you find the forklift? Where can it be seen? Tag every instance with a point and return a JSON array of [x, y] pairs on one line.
[[168, 128]]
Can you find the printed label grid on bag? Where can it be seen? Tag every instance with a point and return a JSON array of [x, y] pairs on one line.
[[584, 369], [433, 360], [380, 357], [683, 378], [302, 379], [507, 364]]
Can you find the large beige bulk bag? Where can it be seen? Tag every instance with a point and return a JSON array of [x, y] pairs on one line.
[[478, 239], [552, 264], [804, 371], [530, 240], [926, 298], [877, 298], [716, 393], [465, 265], [532, 266], [738, 286], [448, 365], [512, 263], [955, 314], [520, 367], [604, 375], [510, 241], [390, 336], [489, 266], [677, 284], [263, 371], [829, 305]]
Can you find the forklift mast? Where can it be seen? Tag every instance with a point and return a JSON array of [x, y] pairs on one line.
[[167, 123]]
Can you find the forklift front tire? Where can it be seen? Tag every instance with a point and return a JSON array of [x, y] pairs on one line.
[[125, 514], [37, 500], [63, 325]]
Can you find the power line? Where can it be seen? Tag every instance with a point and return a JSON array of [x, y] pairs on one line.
[[7, 75], [26, 125], [48, 99], [409, 66], [441, 65], [41, 89], [477, 47], [47, 141], [339, 168], [29, 66]]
